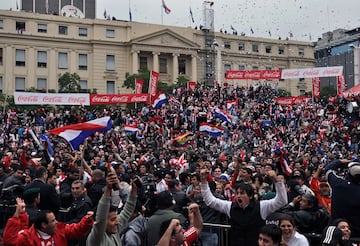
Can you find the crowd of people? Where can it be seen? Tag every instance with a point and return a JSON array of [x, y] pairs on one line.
[[277, 174]]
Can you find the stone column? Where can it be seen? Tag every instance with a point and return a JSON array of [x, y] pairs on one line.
[[193, 68], [156, 61], [135, 61], [175, 70], [9, 77]]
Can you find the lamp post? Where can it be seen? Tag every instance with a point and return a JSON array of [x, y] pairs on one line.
[[356, 51], [218, 61]]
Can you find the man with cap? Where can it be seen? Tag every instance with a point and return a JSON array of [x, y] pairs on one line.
[[49, 198], [165, 204], [32, 200], [345, 193]]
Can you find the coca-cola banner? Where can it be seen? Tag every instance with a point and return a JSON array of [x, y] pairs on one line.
[[316, 87], [118, 98], [312, 72], [341, 86], [191, 85], [31, 98], [292, 100], [138, 86], [253, 74], [153, 83]]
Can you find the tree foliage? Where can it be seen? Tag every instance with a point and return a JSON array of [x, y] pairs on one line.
[[283, 93], [69, 83], [328, 91]]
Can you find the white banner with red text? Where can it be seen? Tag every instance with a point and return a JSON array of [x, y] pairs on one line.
[[31, 98], [311, 72], [253, 74]]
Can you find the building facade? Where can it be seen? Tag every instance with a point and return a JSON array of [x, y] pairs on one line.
[[86, 7], [339, 48], [35, 49]]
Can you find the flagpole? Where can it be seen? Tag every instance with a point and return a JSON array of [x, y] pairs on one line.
[[162, 14]]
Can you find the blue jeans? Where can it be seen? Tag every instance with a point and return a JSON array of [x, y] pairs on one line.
[[209, 238]]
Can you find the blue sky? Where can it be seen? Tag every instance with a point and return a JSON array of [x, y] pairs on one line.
[[305, 19]]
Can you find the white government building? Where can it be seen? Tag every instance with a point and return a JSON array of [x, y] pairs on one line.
[[36, 48]]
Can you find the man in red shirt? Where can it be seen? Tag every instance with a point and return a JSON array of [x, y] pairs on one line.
[[173, 234]]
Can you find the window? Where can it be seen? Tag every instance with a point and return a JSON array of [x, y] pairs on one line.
[[241, 46], [20, 27], [182, 66], [83, 32], [255, 68], [42, 28], [267, 68], [209, 69], [226, 67], [208, 42], [302, 80], [1, 84], [143, 62], [63, 30], [19, 84], [82, 61], [302, 92], [83, 85], [110, 62], [162, 65], [227, 45], [241, 67], [63, 60], [1, 24], [110, 33], [268, 48], [41, 85], [281, 50], [20, 58], [42, 59], [255, 48], [110, 87], [301, 52], [1, 56]]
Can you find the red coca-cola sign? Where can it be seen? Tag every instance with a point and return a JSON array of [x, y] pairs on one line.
[[118, 98], [253, 74]]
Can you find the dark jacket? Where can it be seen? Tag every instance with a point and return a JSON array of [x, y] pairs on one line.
[[49, 199], [79, 208], [95, 191], [65, 192]]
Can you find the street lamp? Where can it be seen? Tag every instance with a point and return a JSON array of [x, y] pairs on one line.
[[218, 61], [356, 51]]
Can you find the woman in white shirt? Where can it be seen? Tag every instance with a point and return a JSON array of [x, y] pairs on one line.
[[289, 233]]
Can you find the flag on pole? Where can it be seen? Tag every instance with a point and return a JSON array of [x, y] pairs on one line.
[[105, 14], [130, 15], [191, 15], [159, 100], [75, 134], [17, 5], [166, 8], [251, 30]]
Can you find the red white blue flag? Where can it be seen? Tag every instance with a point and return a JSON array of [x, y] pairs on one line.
[[223, 115], [212, 130], [75, 134], [166, 8]]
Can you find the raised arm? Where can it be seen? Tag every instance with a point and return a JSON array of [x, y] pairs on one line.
[[166, 237], [195, 217], [209, 199], [280, 199]]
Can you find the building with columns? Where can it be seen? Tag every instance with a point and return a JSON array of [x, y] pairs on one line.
[[35, 49]]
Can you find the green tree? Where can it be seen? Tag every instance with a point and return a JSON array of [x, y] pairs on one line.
[[181, 82], [69, 83], [283, 93], [328, 91], [144, 75]]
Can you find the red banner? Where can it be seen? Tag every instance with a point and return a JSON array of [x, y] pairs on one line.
[[118, 98], [191, 85], [138, 86], [253, 74], [153, 84], [292, 100], [340, 85], [316, 87]]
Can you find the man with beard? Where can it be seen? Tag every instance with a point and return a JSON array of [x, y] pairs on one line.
[[246, 214]]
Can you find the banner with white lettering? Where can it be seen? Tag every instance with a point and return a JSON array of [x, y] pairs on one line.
[[138, 86], [118, 98], [31, 98], [292, 100], [316, 87], [341, 85], [253, 74], [153, 83], [311, 72]]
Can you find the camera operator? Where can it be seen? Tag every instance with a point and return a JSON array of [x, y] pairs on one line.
[[345, 192]]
